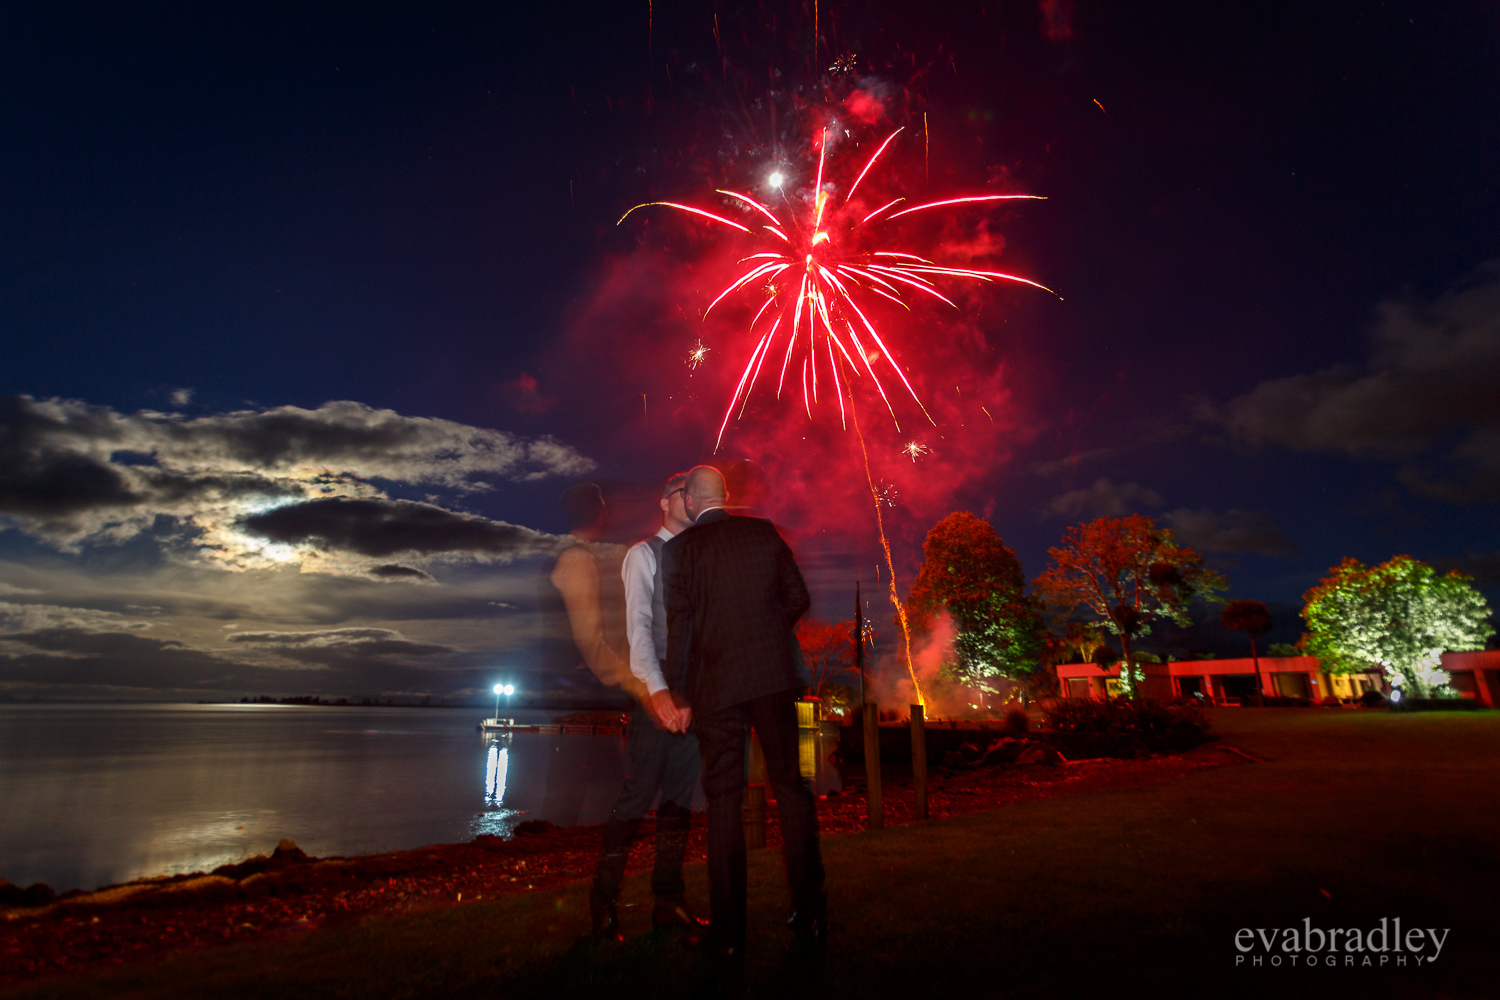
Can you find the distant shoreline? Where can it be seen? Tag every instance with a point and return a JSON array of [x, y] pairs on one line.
[[569, 705], [539, 705]]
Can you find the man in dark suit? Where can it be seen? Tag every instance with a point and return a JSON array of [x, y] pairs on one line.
[[734, 594]]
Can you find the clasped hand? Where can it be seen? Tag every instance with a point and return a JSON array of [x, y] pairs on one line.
[[669, 713]]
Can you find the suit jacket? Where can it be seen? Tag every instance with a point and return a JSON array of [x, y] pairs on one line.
[[734, 594]]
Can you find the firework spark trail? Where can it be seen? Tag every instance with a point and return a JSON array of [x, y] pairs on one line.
[[889, 563], [830, 275]]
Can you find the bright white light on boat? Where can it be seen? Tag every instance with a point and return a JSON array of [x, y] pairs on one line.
[[500, 689], [510, 689]]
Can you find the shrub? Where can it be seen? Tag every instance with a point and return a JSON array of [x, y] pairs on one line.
[[1016, 720], [1155, 724]]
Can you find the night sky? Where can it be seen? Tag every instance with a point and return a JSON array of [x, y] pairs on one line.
[[310, 313]]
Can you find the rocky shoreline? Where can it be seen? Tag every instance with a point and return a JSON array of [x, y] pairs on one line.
[[288, 891]]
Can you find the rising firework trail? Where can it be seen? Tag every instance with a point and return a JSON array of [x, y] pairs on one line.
[[819, 270]]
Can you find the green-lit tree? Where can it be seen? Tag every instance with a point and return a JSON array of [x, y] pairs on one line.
[[969, 574], [1122, 573], [1400, 615], [1084, 640]]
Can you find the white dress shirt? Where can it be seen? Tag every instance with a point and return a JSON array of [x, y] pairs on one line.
[[639, 574]]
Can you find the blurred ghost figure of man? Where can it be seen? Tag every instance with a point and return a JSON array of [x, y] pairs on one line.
[[734, 594], [582, 604], [663, 757], [582, 598]]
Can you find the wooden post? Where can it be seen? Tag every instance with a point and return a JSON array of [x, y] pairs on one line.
[[919, 758], [753, 802], [876, 814]]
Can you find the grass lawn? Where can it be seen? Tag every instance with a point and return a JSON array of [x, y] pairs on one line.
[[1349, 817]]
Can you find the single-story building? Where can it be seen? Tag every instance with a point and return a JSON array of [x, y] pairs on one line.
[[1475, 675]]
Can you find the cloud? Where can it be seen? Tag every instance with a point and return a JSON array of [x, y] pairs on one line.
[[1425, 398], [1104, 498], [395, 571], [90, 643], [49, 646], [73, 474], [383, 528], [27, 618], [342, 647], [1068, 463], [354, 439], [181, 397], [60, 661], [160, 632], [1234, 531]]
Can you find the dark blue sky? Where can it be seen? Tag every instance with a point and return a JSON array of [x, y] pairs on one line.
[[1269, 232]]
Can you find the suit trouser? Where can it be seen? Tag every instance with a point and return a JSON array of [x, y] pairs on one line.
[[658, 762], [723, 737]]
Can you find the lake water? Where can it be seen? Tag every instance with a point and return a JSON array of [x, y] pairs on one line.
[[97, 794]]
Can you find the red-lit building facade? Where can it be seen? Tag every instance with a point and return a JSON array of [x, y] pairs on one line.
[[1475, 675]]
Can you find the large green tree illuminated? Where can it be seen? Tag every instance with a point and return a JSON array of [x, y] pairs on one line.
[[1400, 615], [1122, 573], [969, 574]]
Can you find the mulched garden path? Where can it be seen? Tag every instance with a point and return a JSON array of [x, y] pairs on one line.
[[289, 891]]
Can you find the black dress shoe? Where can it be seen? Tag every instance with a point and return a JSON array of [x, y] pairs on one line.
[[667, 913], [606, 922], [810, 920]]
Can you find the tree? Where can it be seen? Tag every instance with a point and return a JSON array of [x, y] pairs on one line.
[[1400, 615], [1123, 573], [838, 699], [1083, 639], [969, 574], [1252, 618], [828, 648]]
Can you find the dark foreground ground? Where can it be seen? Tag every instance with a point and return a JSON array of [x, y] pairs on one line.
[[1349, 817]]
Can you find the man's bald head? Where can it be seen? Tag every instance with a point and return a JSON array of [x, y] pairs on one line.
[[705, 488]]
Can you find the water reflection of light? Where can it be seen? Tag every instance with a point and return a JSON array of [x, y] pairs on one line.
[[496, 764], [186, 842], [815, 760], [496, 820]]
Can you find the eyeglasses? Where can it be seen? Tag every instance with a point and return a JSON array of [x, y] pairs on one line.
[[680, 489]]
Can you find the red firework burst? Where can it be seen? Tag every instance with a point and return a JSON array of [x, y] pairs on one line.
[[818, 279]]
